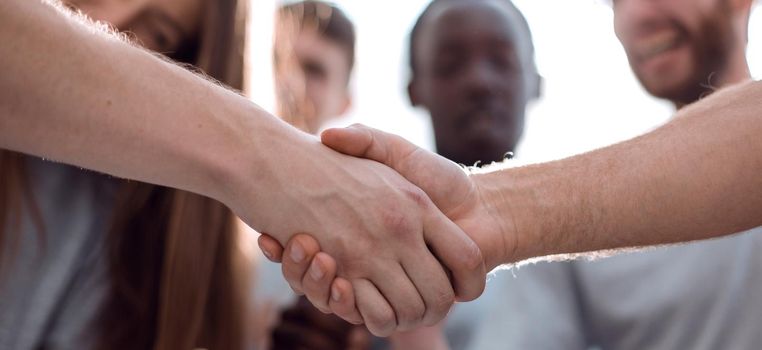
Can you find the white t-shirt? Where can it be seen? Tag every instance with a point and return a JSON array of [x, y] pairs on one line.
[[701, 295]]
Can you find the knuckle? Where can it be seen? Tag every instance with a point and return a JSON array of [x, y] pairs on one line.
[[355, 264], [439, 307], [444, 300], [412, 315], [350, 253], [472, 257], [416, 196], [398, 224], [383, 321]]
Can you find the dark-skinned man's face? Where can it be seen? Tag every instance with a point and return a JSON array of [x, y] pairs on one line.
[[674, 46], [473, 74]]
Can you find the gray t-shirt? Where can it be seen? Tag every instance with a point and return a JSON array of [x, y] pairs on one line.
[[702, 295], [54, 287]]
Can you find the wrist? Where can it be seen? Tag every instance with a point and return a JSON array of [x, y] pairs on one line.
[[250, 171], [509, 199]]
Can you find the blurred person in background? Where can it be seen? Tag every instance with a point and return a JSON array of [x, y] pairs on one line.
[[90, 261], [78, 92], [476, 85], [695, 296], [314, 59], [314, 55]]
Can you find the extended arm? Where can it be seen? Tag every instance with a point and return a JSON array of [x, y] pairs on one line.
[[78, 94]]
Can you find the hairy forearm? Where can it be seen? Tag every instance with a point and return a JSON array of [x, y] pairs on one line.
[[75, 94], [695, 178]]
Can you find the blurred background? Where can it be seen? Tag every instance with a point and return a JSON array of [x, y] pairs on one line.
[[173, 269], [590, 97]]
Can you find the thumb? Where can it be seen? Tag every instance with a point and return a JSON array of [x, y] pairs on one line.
[[444, 181], [361, 141]]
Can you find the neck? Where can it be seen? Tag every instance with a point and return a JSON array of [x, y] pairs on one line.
[[736, 71]]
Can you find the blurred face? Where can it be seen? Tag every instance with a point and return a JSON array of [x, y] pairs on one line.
[[473, 74], [158, 25], [313, 76], [674, 46]]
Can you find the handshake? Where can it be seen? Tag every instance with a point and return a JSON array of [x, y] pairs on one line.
[[400, 236], [384, 233]]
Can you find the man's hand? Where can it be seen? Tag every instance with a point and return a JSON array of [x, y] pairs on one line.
[[389, 241], [341, 294], [455, 193], [167, 126]]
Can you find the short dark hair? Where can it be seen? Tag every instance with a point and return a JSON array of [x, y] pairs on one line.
[[330, 21], [415, 32]]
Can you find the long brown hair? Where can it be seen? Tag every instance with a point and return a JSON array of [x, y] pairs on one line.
[[177, 275]]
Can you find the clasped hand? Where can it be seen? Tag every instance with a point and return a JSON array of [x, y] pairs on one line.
[[336, 276]]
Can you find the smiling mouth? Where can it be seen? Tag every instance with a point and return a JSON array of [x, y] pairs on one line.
[[656, 45]]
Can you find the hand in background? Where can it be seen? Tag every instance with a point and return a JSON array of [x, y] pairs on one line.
[[302, 326]]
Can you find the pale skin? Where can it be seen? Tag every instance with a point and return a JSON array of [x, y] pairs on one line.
[[665, 60], [695, 178], [312, 74], [70, 92]]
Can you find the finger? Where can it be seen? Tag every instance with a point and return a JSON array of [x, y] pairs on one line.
[[316, 283], [403, 296], [447, 189], [433, 284], [458, 253], [342, 301], [445, 238], [361, 141], [270, 247], [299, 252], [376, 312]]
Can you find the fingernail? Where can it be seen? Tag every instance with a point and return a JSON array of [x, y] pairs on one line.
[[297, 252], [267, 254], [315, 271], [335, 294]]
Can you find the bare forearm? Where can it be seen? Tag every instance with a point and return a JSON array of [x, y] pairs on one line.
[[95, 101], [695, 178]]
